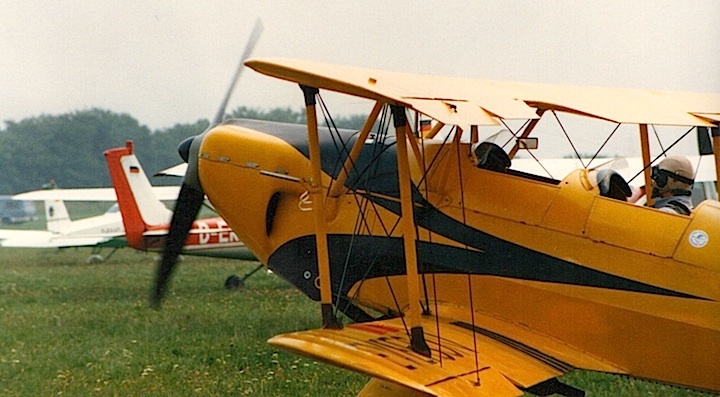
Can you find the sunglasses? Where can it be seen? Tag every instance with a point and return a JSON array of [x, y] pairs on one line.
[[660, 176]]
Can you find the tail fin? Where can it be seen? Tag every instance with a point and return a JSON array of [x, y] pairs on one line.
[[140, 208], [56, 215]]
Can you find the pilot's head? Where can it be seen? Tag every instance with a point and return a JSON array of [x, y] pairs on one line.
[[673, 176]]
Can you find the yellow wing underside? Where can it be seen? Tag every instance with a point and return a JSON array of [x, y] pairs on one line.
[[458, 101], [467, 359]]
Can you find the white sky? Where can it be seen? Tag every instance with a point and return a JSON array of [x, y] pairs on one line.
[[165, 62]]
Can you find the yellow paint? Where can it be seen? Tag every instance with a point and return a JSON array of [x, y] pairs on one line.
[[669, 339]]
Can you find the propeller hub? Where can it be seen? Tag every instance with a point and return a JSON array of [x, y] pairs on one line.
[[184, 148]]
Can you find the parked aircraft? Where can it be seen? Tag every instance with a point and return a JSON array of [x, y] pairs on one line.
[[466, 277], [101, 232], [98, 232], [139, 219], [146, 219]]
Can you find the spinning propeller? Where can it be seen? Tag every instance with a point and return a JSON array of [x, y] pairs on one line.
[[191, 195]]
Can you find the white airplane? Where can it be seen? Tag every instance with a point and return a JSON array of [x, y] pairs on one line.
[[98, 232], [139, 219]]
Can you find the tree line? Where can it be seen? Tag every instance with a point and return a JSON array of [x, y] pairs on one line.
[[68, 148]]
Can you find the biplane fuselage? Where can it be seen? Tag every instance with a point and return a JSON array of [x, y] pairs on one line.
[[466, 277], [603, 276]]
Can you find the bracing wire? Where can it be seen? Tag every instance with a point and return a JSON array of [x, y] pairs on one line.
[[663, 153], [456, 143], [430, 240], [572, 145], [657, 136], [603, 144]]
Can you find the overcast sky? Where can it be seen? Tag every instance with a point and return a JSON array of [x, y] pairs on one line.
[[165, 62]]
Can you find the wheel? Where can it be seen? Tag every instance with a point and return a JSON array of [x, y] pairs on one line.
[[234, 282], [94, 259]]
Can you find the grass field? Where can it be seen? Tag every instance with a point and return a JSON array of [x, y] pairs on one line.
[[72, 329]]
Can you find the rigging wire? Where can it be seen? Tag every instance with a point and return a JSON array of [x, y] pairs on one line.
[[456, 143], [603, 144], [430, 240], [341, 147], [514, 134], [436, 158], [341, 150], [663, 153], [364, 178], [562, 127], [657, 136]]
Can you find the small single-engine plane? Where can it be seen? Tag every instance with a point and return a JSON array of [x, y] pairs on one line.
[[98, 232], [464, 276], [139, 219], [146, 218]]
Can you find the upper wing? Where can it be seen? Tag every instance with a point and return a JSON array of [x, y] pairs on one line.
[[489, 358], [91, 194], [454, 100]]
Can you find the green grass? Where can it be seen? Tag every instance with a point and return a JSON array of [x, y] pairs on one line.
[[72, 329]]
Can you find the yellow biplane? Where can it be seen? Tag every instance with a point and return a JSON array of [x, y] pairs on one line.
[[465, 277]]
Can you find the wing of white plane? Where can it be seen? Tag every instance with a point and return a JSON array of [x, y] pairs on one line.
[[45, 239], [100, 231], [178, 170], [165, 193]]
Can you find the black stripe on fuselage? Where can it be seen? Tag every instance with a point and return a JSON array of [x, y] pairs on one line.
[[374, 172], [376, 256], [503, 258]]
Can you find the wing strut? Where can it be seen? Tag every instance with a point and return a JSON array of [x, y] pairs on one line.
[[338, 187], [316, 193], [716, 153], [526, 133], [645, 147], [417, 336]]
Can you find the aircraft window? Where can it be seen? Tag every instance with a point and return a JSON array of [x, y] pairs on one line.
[[113, 209]]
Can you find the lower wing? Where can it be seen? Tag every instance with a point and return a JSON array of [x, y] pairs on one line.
[[487, 358]]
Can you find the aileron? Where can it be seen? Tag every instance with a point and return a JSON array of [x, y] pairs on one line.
[[381, 349]]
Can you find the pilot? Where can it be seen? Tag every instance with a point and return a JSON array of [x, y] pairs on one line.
[[672, 181]]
